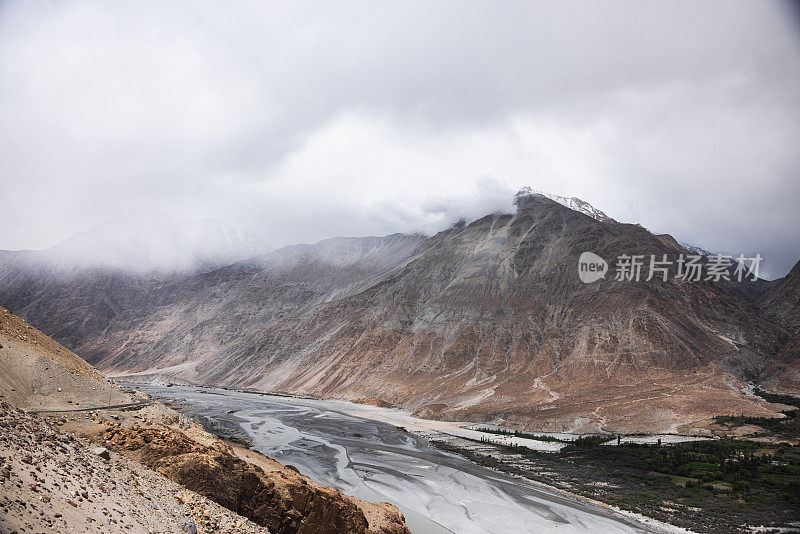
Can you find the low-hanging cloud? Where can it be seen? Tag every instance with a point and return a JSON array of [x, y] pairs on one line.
[[302, 121]]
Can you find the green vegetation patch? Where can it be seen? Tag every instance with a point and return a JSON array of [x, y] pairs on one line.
[[788, 400], [705, 486]]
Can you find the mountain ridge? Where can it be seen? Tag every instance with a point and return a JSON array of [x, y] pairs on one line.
[[482, 321]]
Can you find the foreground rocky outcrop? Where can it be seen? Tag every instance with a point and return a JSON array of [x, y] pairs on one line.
[[251, 485], [171, 476], [54, 482]]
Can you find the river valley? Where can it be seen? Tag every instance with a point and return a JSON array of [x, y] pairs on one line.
[[351, 447]]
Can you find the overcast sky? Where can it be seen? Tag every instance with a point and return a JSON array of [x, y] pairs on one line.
[[305, 120]]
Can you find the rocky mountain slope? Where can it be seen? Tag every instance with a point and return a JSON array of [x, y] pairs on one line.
[[53, 481], [39, 373], [781, 301], [483, 321]]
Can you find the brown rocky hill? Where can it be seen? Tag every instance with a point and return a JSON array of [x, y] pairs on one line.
[[39, 375], [37, 372], [781, 301], [484, 321]]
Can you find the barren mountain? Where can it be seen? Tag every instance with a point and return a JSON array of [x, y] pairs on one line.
[[781, 301], [484, 321]]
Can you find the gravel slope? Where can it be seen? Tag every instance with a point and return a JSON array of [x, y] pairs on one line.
[[51, 481]]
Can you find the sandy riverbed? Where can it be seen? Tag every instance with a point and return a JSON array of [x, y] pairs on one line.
[[361, 450]]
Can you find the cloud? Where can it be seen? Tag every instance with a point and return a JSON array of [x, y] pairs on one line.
[[306, 120]]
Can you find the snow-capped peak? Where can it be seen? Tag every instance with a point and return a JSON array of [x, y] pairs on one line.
[[697, 250], [573, 203]]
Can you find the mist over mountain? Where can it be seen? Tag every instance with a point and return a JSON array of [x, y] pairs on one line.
[[150, 242]]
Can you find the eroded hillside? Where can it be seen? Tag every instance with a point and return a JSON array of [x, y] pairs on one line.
[[57, 474], [485, 321]]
